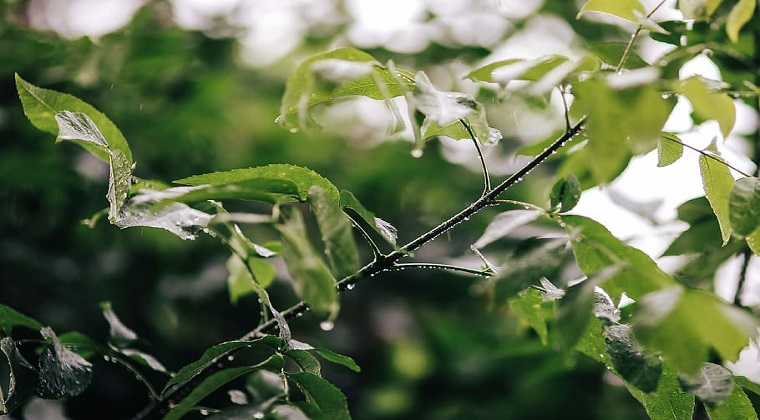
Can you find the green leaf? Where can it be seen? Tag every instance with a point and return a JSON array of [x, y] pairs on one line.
[[528, 306], [685, 324], [698, 9], [10, 318], [17, 377], [565, 194], [217, 380], [739, 16], [526, 269], [79, 128], [612, 52], [505, 223], [337, 233], [303, 178], [669, 402], [324, 400], [42, 105], [710, 105], [119, 335], [177, 218], [240, 283], [718, 182], [532, 70], [119, 184], [305, 360], [80, 344], [625, 115], [595, 248], [736, 407], [631, 10], [62, 372], [713, 384], [578, 304], [385, 229], [669, 149], [747, 384], [340, 73], [744, 206], [313, 281], [753, 241], [212, 354], [268, 190], [144, 359], [638, 367], [339, 359]]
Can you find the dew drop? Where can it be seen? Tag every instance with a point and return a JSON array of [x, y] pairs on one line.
[[293, 130], [107, 358], [204, 412], [326, 325], [350, 286], [417, 153], [258, 415], [230, 358], [526, 207]]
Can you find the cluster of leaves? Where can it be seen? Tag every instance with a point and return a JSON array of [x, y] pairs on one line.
[[653, 343]]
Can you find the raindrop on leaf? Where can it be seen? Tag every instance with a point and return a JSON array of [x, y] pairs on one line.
[[326, 325]]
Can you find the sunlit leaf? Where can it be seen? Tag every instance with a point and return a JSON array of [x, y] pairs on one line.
[[505, 223], [303, 178], [713, 384], [323, 399], [630, 10], [595, 248], [565, 194], [313, 281], [212, 354], [62, 372], [709, 104], [217, 380], [736, 406], [119, 335], [669, 149], [10, 318], [638, 367], [337, 233], [717, 182], [739, 16], [528, 306], [685, 324], [339, 359], [744, 206], [18, 377], [42, 105]]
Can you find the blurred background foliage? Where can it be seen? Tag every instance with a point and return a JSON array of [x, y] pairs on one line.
[[196, 93]]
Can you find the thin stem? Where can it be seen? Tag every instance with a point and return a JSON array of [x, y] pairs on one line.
[[376, 253], [484, 167], [746, 257], [482, 273], [116, 357], [562, 93], [708, 155], [155, 409], [629, 47]]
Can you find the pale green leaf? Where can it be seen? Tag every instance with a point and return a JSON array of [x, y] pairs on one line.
[[119, 184], [312, 279], [736, 407], [323, 399], [595, 248], [685, 324], [698, 9], [239, 281], [339, 359], [669, 149], [517, 69], [505, 223], [269, 190], [631, 10], [528, 306], [739, 16], [713, 384], [717, 182], [747, 384], [303, 178], [62, 372], [709, 104], [217, 380], [744, 206], [42, 105], [337, 233], [753, 240], [10, 318]]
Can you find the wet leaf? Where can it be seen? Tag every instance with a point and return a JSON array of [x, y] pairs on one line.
[[10, 318], [303, 178], [713, 384], [385, 229], [80, 344], [632, 362], [744, 206], [669, 149], [268, 190], [119, 184], [313, 281], [42, 105], [119, 335], [62, 372], [18, 378], [528, 306], [323, 399], [305, 361], [581, 301], [339, 359], [739, 16], [717, 182], [505, 223], [217, 380], [522, 271], [736, 406], [565, 194], [709, 104], [78, 127], [631, 10], [443, 108], [177, 218], [212, 354], [685, 324], [337, 233], [144, 359], [669, 402]]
